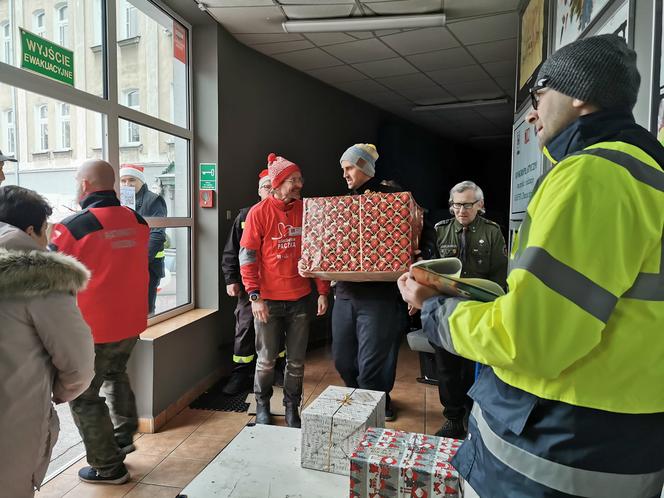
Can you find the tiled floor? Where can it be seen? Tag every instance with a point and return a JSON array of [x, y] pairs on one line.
[[164, 463]]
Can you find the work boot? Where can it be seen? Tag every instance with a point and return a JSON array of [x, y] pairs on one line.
[[453, 429], [239, 381], [292, 415], [263, 412]]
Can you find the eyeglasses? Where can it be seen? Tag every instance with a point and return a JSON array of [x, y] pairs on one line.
[[534, 91], [466, 205], [294, 181], [264, 186]]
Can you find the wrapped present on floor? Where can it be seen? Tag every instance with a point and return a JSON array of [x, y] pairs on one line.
[[334, 423], [368, 237], [396, 464]]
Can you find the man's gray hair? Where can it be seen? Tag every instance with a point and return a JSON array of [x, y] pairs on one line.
[[467, 185]]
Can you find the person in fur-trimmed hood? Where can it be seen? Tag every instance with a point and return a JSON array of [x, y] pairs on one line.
[[46, 349]]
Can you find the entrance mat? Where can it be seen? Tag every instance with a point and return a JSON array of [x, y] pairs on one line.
[[276, 403], [215, 399]]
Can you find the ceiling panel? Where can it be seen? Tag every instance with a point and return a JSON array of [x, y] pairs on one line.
[[238, 3], [472, 90], [494, 51], [441, 59], [315, 2], [459, 75], [486, 29], [421, 40], [361, 51], [415, 80], [455, 9], [313, 58], [501, 69], [362, 87], [385, 68], [250, 19], [499, 114], [428, 95], [362, 35], [385, 97], [317, 11], [253, 39], [404, 6], [322, 39], [507, 83], [337, 74], [279, 48]]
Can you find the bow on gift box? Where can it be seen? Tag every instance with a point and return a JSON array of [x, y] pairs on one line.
[[346, 400]]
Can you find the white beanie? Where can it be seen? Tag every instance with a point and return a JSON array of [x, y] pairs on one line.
[[132, 170]]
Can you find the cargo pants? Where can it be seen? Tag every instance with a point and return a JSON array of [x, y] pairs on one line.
[[109, 423]]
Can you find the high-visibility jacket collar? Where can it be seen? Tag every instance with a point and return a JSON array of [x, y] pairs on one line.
[[590, 129]]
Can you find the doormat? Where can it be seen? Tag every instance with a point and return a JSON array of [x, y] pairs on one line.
[[215, 399]]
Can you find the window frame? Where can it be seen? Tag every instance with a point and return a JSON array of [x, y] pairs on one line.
[[6, 39], [41, 128], [39, 30], [9, 128], [60, 24], [112, 110], [64, 122]]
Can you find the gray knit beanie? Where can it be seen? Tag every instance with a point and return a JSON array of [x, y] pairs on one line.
[[367, 152], [600, 70]]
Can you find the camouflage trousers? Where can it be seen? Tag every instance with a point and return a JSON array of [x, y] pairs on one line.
[[107, 424]]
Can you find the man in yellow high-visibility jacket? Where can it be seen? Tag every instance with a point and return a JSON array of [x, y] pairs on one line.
[[573, 401]]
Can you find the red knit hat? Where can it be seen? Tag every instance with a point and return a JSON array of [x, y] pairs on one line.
[[280, 168], [264, 178]]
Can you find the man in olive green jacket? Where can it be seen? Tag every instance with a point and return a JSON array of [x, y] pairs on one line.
[[480, 246]]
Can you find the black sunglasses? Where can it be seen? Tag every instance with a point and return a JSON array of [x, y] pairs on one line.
[[534, 96]]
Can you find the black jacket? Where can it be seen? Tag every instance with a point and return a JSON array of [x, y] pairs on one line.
[[230, 262], [369, 290], [149, 204]]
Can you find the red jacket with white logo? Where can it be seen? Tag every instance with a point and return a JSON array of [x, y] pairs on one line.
[[112, 242], [270, 249]]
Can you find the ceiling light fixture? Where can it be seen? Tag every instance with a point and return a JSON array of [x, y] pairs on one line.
[[374, 23], [461, 105]]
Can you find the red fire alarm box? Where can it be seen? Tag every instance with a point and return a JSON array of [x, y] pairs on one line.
[[206, 198]]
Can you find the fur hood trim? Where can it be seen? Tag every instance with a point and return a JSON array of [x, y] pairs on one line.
[[39, 273]]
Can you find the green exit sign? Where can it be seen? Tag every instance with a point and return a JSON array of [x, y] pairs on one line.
[[208, 179], [46, 58]]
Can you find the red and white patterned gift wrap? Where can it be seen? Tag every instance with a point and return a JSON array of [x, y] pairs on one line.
[[367, 237], [396, 464]]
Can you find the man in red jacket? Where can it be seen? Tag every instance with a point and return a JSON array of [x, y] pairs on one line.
[[112, 241], [270, 249]]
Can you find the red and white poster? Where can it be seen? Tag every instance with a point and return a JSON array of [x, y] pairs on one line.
[[179, 42]]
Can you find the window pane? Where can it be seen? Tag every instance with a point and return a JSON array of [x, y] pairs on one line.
[[172, 289], [164, 160], [43, 166], [74, 25], [152, 60]]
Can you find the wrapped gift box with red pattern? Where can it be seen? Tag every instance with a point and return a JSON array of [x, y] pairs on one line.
[[368, 237], [334, 423], [396, 464]]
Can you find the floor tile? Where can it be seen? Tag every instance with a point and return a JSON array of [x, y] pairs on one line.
[[159, 444], [73, 469], [153, 491], [86, 490], [141, 464], [173, 471], [58, 486], [186, 422], [201, 447], [223, 425]]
